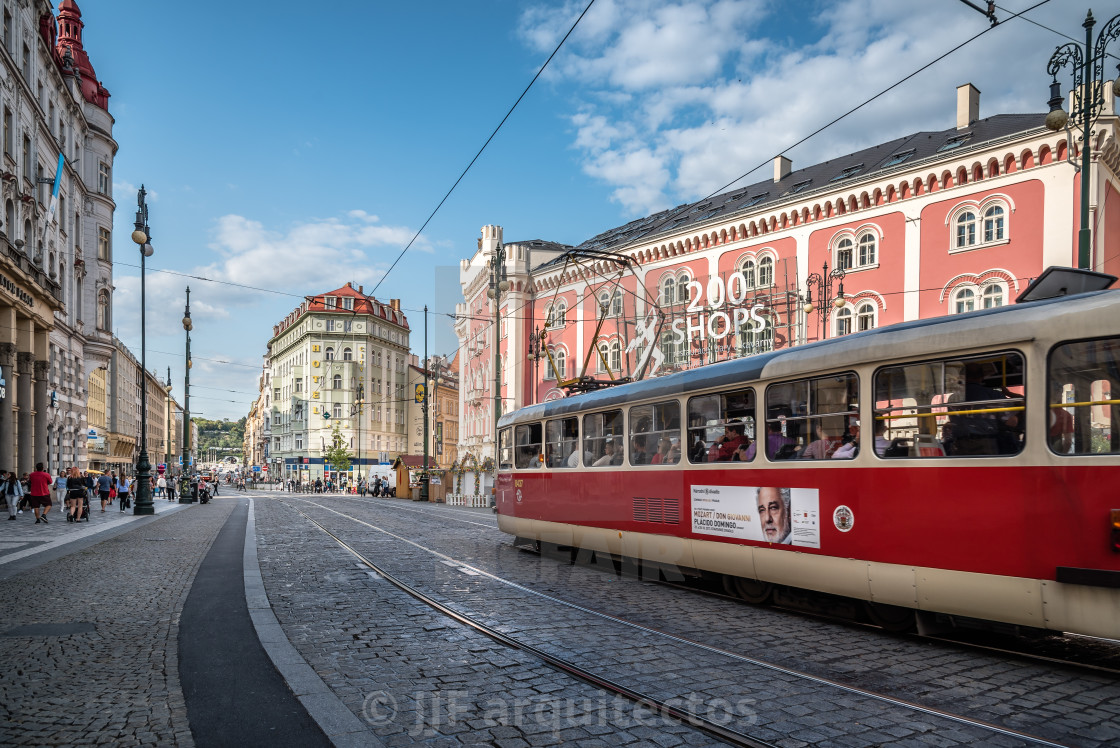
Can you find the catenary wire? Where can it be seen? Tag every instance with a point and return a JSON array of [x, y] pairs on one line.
[[480, 150]]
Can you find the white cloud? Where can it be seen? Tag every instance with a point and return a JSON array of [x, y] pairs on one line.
[[676, 99], [313, 256]]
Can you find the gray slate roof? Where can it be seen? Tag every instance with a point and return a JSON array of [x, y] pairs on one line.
[[880, 159]]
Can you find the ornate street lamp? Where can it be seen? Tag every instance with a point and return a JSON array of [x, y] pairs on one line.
[[1088, 100], [185, 492], [142, 236], [821, 284], [536, 352]]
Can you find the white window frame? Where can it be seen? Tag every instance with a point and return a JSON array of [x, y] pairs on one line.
[[985, 294], [981, 213], [843, 321], [866, 309], [955, 298], [859, 239]]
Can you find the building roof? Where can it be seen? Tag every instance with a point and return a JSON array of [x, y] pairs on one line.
[[414, 461], [895, 155], [363, 304]]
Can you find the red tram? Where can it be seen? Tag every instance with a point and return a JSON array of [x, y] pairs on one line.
[[964, 465]]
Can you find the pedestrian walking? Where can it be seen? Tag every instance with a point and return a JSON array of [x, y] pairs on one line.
[[13, 491], [75, 495], [24, 501], [122, 492], [39, 486], [170, 489], [104, 487], [161, 486]]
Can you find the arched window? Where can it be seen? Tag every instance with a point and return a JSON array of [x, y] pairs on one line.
[[9, 217], [964, 300], [865, 316], [750, 277], [668, 290], [966, 229], [338, 410], [668, 347], [993, 224], [337, 382], [753, 340], [347, 354], [844, 254], [561, 363], [844, 320], [329, 354], [766, 272], [616, 356], [992, 296], [682, 289], [556, 314], [867, 250], [604, 356], [611, 303], [103, 322]]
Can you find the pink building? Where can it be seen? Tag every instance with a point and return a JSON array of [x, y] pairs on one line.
[[929, 224]]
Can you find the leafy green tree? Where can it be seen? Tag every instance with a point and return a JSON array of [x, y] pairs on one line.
[[337, 455]]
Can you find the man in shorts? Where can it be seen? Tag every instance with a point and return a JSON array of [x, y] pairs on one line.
[[104, 488], [39, 488]]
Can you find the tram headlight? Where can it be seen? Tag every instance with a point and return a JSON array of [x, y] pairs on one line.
[[1115, 539]]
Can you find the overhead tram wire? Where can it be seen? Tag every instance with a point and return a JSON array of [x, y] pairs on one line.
[[857, 107], [1054, 31], [483, 148], [813, 134]]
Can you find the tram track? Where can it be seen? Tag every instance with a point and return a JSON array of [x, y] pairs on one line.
[[959, 643], [609, 684]]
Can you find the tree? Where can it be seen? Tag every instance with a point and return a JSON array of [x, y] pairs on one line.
[[337, 455]]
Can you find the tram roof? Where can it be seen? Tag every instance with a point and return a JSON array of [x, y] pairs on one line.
[[933, 336]]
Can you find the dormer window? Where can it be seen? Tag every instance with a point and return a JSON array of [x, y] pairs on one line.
[[800, 187], [348, 302], [851, 171], [955, 142], [330, 302], [898, 158], [756, 200]]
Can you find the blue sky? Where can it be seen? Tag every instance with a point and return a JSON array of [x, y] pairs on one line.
[[294, 147]]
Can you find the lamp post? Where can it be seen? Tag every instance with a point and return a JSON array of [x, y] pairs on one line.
[[536, 351], [184, 488], [498, 286], [1088, 100], [142, 236], [821, 283], [425, 477]]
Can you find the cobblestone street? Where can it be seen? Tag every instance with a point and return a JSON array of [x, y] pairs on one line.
[[90, 640]]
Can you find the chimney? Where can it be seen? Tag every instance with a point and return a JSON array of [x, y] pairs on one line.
[[782, 167], [395, 304], [968, 105], [361, 290]]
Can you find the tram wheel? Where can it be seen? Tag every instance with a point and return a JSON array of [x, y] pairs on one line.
[[891, 617], [753, 591]]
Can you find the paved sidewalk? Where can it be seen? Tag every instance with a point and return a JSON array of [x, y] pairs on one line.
[[22, 539], [89, 625]]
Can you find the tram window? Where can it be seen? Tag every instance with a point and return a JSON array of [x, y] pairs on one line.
[[721, 427], [813, 419], [528, 444], [1084, 397], [561, 442], [956, 407], [505, 451], [603, 439], [655, 434]]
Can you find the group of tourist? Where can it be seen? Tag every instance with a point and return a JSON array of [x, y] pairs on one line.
[[76, 490]]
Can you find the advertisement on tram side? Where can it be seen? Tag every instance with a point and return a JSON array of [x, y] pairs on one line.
[[766, 514]]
